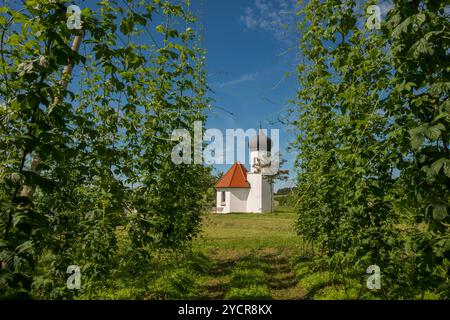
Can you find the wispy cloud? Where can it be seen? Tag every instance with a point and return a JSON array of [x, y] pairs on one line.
[[244, 78], [275, 16]]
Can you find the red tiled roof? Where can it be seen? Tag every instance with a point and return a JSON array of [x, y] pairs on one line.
[[236, 177]]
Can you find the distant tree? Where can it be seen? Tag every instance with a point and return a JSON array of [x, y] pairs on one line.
[[284, 191], [279, 174], [212, 180]]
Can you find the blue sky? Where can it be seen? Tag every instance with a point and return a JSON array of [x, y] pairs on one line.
[[250, 48], [251, 64]]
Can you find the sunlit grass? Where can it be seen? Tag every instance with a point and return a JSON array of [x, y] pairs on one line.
[[248, 231]]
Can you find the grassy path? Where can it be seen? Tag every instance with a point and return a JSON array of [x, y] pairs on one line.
[[238, 256], [250, 255]]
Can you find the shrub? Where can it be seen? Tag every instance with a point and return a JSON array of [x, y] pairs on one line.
[[336, 293], [199, 262], [255, 292], [284, 200], [113, 294], [428, 295], [315, 281], [302, 271], [180, 284]]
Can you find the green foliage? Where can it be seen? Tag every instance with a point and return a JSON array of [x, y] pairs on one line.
[[333, 293], [79, 162], [117, 294], [254, 292], [373, 147], [303, 269], [284, 200], [420, 57], [284, 191], [198, 262], [179, 284], [315, 281]]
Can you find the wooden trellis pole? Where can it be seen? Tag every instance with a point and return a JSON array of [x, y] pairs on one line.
[[28, 191]]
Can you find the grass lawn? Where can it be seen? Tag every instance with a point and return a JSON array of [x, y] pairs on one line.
[[248, 231], [250, 255]]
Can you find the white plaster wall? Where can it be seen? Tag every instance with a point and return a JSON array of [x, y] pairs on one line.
[[266, 196], [235, 199], [253, 155], [238, 199], [254, 202], [257, 198], [226, 207]]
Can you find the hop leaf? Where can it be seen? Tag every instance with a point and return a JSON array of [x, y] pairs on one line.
[[439, 212]]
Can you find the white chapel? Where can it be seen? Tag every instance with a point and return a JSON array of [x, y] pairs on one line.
[[240, 190]]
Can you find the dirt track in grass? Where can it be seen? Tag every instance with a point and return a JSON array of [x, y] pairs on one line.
[[243, 244]]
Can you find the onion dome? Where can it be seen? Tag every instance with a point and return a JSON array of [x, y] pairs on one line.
[[260, 142]]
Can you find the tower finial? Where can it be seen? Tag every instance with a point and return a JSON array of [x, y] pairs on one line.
[[260, 126]]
